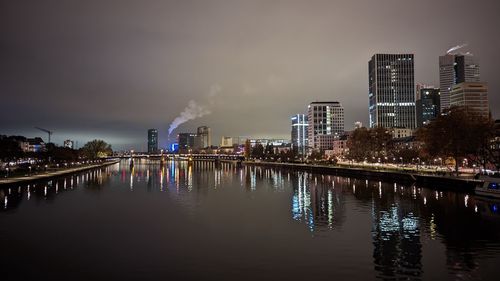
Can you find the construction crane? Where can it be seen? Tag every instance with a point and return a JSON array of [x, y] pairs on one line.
[[45, 130]]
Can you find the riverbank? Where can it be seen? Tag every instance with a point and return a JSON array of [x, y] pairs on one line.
[[425, 180], [51, 174]]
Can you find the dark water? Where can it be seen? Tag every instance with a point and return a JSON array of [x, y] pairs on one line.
[[203, 222]]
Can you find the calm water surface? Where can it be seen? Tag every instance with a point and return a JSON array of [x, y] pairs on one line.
[[206, 222]]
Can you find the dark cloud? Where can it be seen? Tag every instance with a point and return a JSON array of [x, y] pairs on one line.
[[113, 69]]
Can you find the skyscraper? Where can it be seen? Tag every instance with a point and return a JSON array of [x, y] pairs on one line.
[[324, 118], [392, 91], [299, 134], [428, 105], [473, 96], [185, 141], [152, 141], [455, 69], [203, 137]]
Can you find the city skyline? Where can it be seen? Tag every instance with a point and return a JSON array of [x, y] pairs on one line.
[[135, 66]]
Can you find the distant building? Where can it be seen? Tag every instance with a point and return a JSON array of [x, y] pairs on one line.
[[428, 105], [406, 143], [152, 141], [324, 118], [401, 133], [265, 142], [226, 142], [32, 145], [299, 134], [203, 137], [392, 91], [185, 141], [455, 69], [473, 96], [339, 147], [358, 125], [68, 144], [324, 142]]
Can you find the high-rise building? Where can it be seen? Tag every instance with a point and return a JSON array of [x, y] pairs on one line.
[[299, 134], [455, 69], [152, 141], [324, 118], [185, 141], [472, 96], [203, 137], [392, 91], [428, 105]]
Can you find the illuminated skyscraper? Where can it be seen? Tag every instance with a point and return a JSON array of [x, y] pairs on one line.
[[299, 134], [428, 105], [152, 141], [392, 91], [455, 69], [324, 118]]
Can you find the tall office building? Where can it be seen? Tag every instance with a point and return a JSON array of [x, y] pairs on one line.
[[299, 134], [152, 141], [203, 137], [185, 141], [392, 91], [428, 105], [324, 118], [455, 69], [473, 96]]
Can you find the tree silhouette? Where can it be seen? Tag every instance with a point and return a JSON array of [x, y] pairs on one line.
[[457, 133], [96, 149]]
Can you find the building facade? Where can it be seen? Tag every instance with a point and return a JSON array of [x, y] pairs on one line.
[[299, 134], [152, 141], [428, 105], [455, 69], [325, 142], [472, 96], [203, 137], [398, 133], [185, 141], [340, 145], [324, 118], [226, 142], [392, 91]]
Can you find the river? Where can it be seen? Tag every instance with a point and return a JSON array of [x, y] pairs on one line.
[[195, 221]]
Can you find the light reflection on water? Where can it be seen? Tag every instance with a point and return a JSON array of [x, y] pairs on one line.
[[404, 219]]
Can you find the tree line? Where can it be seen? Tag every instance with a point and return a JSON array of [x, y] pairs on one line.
[[10, 150], [456, 134]]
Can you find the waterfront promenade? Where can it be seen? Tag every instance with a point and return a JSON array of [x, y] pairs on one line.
[[435, 181], [51, 174]]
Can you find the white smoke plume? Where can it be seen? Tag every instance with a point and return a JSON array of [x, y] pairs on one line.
[[195, 110], [456, 48]]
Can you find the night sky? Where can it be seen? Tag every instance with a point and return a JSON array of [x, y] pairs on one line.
[[113, 69]]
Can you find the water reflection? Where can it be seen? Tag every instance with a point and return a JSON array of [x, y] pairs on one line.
[[403, 218], [13, 195]]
